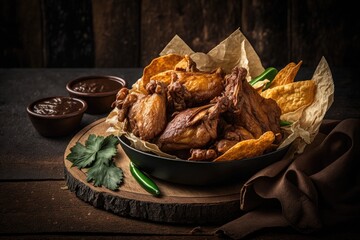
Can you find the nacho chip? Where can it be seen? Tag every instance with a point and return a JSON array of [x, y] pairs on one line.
[[158, 65], [183, 64], [186, 65], [248, 148], [164, 77], [292, 96], [286, 75]]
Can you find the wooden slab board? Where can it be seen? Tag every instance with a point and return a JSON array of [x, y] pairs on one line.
[[178, 203]]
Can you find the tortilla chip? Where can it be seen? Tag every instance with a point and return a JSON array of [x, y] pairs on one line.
[[182, 65], [286, 75], [248, 148], [292, 96], [185, 64], [164, 77], [158, 65]]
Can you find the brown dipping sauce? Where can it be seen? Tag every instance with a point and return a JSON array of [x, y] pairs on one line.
[[96, 85], [57, 106]]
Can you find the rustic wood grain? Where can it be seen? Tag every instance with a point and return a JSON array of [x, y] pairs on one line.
[[47, 210], [68, 33], [324, 28], [177, 204], [116, 33], [129, 33], [201, 24], [24, 154], [264, 23], [21, 33], [116, 236], [49, 207]]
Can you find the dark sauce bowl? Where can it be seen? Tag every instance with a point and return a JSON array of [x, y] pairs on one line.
[[99, 92], [56, 116], [199, 173]]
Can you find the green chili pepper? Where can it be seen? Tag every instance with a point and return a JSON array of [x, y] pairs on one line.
[[284, 123], [269, 74], [145, 182]]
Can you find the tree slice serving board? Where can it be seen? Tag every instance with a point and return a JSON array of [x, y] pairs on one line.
[[178, 203]]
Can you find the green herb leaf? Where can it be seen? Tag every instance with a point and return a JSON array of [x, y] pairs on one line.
[[108, 150], [97, 155], [109, 176], [83, 156]]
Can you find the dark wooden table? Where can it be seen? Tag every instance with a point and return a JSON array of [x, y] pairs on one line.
[[34, 200]]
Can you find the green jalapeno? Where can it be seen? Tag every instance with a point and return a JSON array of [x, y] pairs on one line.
[[284, 123], [269, 74], [145, 182]]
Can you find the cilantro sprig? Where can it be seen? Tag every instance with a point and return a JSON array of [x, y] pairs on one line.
[[97, 155]]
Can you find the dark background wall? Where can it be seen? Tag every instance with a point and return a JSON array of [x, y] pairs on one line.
[[129, 33]]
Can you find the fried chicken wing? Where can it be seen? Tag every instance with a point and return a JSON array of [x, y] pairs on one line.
[[177, 95], [202, 154], [201, 86], [232, 135], [249, 109], [146, 114], [189, 89], [193, 127]]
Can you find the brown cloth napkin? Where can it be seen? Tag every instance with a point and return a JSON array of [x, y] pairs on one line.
[[319, 188]]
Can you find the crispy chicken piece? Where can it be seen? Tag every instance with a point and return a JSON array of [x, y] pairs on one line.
[[185, 65], [146, 113], [237, 133], [250, 110], [177, 95], [232, 135], [202, 86], [124, 101], [189, 89], [202, 154], [250, 116], [193, 127], [224, 144]]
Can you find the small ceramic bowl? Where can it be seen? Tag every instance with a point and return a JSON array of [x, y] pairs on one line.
[[56, 116], [98, 91]]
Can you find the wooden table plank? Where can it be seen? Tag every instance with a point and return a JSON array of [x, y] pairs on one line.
[[24, 154], [170, 18], [111, 19], [47, 210], [39, 207], [110, 237]]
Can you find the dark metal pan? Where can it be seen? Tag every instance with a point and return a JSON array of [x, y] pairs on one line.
[[196, 172]]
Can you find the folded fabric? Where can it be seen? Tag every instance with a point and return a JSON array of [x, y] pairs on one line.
[[319, 188]]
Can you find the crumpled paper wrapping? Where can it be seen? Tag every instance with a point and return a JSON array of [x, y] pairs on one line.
[[307, 121], [235, 51]]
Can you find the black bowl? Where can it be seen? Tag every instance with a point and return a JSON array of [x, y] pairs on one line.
[[196, 172]]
